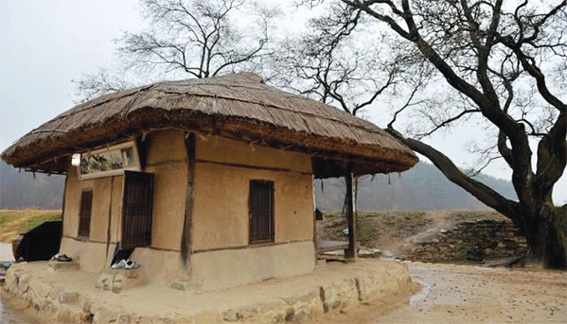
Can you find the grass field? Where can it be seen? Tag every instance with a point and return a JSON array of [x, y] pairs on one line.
[[14, 222]]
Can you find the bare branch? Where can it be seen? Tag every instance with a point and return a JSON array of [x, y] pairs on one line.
[[447, 122], [186, 38]]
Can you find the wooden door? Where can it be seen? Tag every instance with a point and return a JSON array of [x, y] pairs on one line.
[[137, 209]]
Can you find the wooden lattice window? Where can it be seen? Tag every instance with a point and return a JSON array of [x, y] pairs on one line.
[[85, 213], [137, 210], [261, 210]]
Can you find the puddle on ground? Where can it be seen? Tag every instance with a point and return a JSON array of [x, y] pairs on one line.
[[14, 311], [422, 293]]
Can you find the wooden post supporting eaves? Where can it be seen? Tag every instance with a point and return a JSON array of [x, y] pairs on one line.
[[351, 216], [186, 239]]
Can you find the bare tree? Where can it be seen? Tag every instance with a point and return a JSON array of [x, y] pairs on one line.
[[187, 38], [328, 64], [333, 63], [100, 83], [505, 65]]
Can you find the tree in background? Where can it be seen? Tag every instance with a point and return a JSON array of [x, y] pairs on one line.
[[505, 65], [187, 38], [329, 62]]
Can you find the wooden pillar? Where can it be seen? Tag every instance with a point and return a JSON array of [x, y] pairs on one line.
[[63, 223], [109, 223], [351, 216], [316, 256], [186, 239]]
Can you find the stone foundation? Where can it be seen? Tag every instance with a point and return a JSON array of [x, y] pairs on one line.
[[117, 279], [70, 295]]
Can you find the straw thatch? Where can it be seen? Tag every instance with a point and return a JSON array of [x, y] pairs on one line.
[[238, 106]]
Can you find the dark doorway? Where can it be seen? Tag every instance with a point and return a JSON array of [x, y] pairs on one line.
[[137, 210]]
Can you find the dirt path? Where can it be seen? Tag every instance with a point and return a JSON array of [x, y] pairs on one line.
[[470, 294]]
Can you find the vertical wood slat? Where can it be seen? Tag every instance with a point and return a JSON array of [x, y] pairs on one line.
[[137, 210], [351, 216], [109, 223], [186, 237], [261, 209], [85, 213], [63, 223]]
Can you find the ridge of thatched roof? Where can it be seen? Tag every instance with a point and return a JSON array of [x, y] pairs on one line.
[[239, 106]]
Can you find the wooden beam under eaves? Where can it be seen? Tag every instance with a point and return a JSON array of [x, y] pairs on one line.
[[350, 254]]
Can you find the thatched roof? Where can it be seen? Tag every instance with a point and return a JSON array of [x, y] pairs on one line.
[[238, 106]]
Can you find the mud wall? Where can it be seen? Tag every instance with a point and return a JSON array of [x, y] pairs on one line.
[[222, 254], [220, 223], [164, 155], [166, 158], [491, 239], [91, 252], [104, 191], [229, 268]]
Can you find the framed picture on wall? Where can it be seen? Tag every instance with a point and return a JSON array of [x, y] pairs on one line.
[[109, 161]]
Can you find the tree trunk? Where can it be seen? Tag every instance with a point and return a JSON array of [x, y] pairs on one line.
[[546, 237], [544, 225]]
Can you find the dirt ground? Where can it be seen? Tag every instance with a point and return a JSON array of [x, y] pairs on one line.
[[472, 294]]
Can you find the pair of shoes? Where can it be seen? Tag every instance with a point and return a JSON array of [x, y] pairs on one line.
[[131, 265], [119, 265], [125, 264], [64, 258], [61, 258]]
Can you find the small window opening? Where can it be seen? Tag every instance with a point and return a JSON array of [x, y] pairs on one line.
[[85, 213], [261, 210]]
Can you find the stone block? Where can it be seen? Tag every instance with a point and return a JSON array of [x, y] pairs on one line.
[[117, 280], [23, 282], [520, 239], [239, 314], [208, 316], [305, 297], [302, 313], [104, 281], [67, 297], [124, 318], [53, 266], [187, 285], [40, 287]]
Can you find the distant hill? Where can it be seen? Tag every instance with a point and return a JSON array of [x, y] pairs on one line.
[[421, 188], [21, 190]]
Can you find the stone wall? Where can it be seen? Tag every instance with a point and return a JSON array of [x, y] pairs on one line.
[[486, 239], [64, 294]]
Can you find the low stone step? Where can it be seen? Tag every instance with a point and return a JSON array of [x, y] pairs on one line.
[[59, 265], [116, 280]]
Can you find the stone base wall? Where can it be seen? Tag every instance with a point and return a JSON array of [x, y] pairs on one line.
[[68, 295], [490, 239]]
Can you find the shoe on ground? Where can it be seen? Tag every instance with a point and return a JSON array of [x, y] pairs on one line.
[[119, 265]]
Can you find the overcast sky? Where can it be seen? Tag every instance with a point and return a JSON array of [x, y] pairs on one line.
[[45, 44]]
